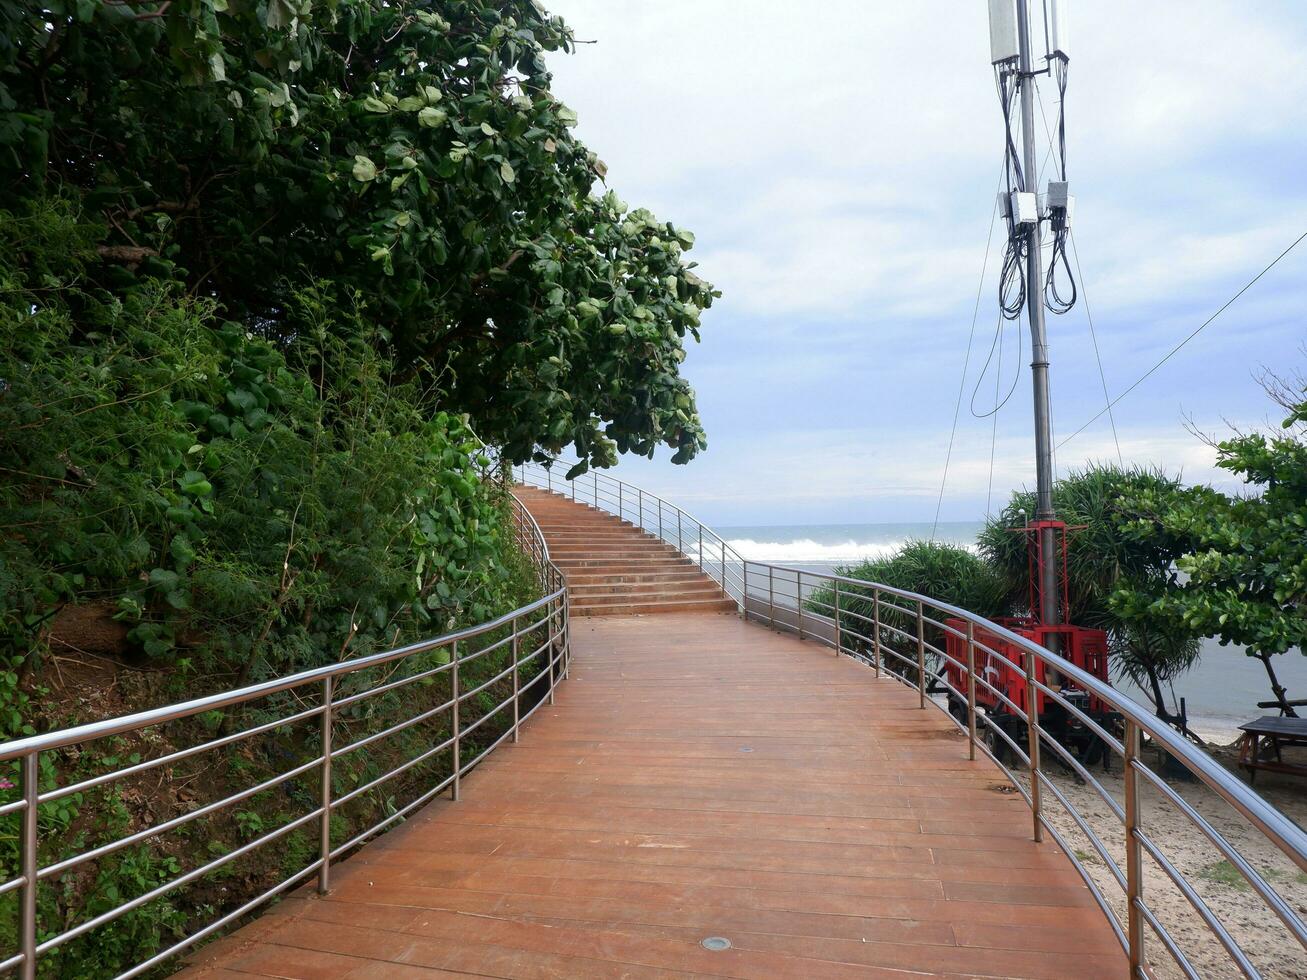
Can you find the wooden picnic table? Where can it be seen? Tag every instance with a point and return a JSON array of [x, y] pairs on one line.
[[1278, 733]]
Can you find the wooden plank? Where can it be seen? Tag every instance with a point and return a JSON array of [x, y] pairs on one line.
[[853, 838]]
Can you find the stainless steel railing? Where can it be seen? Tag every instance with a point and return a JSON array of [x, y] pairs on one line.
[[892, 639], [710, 551], [509, 636]]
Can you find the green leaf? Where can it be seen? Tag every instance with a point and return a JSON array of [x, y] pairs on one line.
[[164, 579], [506, 172], [364, 169], [430, 118]]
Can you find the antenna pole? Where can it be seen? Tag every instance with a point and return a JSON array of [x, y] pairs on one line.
[[1049, 612]]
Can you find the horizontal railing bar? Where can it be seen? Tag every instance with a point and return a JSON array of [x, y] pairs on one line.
[[51, 870], [488, 715], [1083, 773], [1259, 884], [392, 730], [403, 767], [392, 685], [1092, 885], [1021, 754], [1205, 913], [1088, 831], [489, 748], [1108, 738], [397, 815], [1016, 709], [108, 777], [114, 913], [227, 919], [1177, 954], [465, 658], [464, 695], [146, 719]]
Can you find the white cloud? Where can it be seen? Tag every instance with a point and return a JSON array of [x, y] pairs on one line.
[[837, 163]]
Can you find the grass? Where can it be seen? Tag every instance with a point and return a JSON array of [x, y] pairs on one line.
[[1225, 873]]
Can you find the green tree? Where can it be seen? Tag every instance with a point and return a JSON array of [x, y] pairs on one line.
[[1105, 557], [1244, 558], [412, 152]]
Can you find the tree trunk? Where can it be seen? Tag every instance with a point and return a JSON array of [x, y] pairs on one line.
[[1281, 694], [1159, 699]]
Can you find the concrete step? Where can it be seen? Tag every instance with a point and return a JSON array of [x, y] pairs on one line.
[[651, 608], [607, 594], [580, 579], [614, 567], [614, 553], [600, 537]]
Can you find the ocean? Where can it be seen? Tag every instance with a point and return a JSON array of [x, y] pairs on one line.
[[1220, 693]]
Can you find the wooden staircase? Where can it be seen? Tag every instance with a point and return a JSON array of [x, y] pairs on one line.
[[614, 568]]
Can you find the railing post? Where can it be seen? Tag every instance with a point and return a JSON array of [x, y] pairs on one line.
[[921, 654], [679, 546], [549, 478], [566, 633], [699, 555], [875, 631], [639, 496], [516, 684], [596, 482], [456, 789], [1133, 851], [971, 690], [744, 591], [573, 482], [660, 518], [1032, 739], [771, 596], [619, 496], [28, 847], [551, 660], [798, 596], [324, 830], [839, 641], [724, 566]]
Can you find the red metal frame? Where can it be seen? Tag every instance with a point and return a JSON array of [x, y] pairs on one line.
[[1004, 668], [1036, 561]]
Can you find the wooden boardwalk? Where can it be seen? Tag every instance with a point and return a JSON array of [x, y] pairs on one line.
[[700, 777]]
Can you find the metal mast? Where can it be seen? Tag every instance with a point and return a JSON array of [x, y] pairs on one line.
[[1050, 611]]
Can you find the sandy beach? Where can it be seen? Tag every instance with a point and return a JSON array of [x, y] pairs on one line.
[[1270, 947]]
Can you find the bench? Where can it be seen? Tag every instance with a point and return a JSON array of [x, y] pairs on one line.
[[1278, 732]]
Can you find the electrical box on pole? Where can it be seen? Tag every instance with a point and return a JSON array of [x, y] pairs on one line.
[[1059, 42], [1003, 31]]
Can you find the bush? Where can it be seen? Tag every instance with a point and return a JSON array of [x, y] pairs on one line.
[[180, 489], [944, 572]]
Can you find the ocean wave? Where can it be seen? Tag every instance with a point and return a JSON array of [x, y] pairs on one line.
[[807, 550]]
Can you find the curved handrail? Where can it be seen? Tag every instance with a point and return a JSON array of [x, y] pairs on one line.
[[754, 586], [628, 501], [547, 616]]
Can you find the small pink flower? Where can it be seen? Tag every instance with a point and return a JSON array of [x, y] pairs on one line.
[[5, 784]]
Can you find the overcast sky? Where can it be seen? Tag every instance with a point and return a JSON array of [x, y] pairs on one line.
[[837, 162]]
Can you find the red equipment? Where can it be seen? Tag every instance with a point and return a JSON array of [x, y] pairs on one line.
[[1000, 664]]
